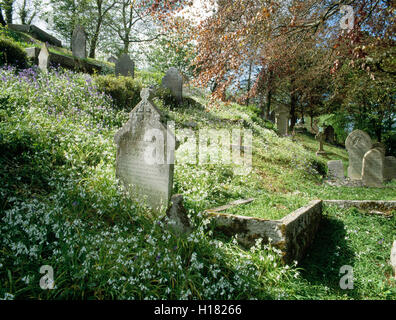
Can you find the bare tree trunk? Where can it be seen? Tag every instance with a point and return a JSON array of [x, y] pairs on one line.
[[249, 82], [8, 10]]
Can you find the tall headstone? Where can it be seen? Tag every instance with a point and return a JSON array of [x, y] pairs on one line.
[[44, 58], [125, 66], [145, 155], [79, 42], [321, 137], [336, 170], [282, 115], [357, 143], [173, 80], [389, 168], [373, 168]]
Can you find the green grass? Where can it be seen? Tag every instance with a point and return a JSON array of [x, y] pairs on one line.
[[357, 239]]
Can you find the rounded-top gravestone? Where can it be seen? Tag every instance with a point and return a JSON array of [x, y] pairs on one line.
[[357, 144]]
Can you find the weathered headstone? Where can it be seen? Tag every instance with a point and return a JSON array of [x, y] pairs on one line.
[[145, 155], [336, 170], [79, 42], [173, 80], [389, 168], [282, 115], [373, 168], [125, 66], [329, 134], [44, 58], [357, 143]]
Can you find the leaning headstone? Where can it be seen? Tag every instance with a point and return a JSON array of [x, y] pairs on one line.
[[357, 143], [282, 115], [173, 80], [125, 66], [79, 42], [389, 168], [336, 170], [145, 155], [44, 58], [373, 168]]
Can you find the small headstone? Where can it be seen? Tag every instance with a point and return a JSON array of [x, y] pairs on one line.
[[145, 155], [173, 80], [44, 58], [177, 215], [79, 42], [272, 116], [125, 66], [112, 59], [357, 144], [389, 168], [329, 134], [373, 166], [282, 115], [336, 170]]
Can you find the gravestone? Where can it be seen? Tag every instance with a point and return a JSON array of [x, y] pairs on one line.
[[79, 42], [336, 170], [178, 221], [357, 144], [373, 168], [145, 155], [125, 66], [380, 146], [44, 58], [173, 80], [112, 59], [282, 115], [389, 168], [329, 134]]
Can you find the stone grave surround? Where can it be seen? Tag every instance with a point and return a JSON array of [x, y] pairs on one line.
[[44, 58], [145, 155], [282, 115], [125, 66], [79, 42], [173, 80], [357, 144]]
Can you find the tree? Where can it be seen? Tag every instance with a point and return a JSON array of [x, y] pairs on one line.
[[8, 8], [29, 10]]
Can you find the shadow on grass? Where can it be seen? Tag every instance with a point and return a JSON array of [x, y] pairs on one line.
[[329, 252]]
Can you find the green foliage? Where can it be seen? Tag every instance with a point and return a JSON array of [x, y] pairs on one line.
[[11, 53], [125, 91]]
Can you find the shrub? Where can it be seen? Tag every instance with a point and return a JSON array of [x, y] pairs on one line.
[[167, 97], [12, 54], [124, 91]]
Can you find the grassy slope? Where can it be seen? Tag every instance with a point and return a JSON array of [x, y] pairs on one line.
[[60, 206]]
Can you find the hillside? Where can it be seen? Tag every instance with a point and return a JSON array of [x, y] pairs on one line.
[[61, 206]]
